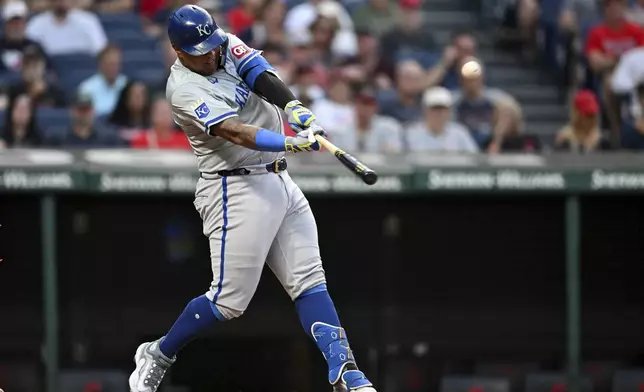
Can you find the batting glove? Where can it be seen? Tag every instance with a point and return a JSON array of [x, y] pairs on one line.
[[299, 117], [304, 140]]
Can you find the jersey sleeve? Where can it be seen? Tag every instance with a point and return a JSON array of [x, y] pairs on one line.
[[194, 104], [249, 63]]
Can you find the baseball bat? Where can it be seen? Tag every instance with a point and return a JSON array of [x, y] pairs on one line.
[[358, 168]]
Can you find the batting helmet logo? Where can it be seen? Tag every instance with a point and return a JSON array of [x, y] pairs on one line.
[[204, 30], [240, 50]]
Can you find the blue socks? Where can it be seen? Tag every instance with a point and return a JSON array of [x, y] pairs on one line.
[[320, 320], [315, 305], [197, 317]]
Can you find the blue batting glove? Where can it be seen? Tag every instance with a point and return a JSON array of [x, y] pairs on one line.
[[299, 117]]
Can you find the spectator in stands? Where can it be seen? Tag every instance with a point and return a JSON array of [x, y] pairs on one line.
[[84, 132], [323, 32], [403, 104], [522, 17], [369, 66], [132, 112], [14, 42], [369, 131], [163, 133], [632, 111], [446, 71], [636, 12], [629, 72], [244, 15], [305, 86], [411, 35], [106, 85], [605, 45], [300, 18], [269, 26], [335, 111], [576, 14], [437, 132], [35, 81], [168, 52], [582, 134], [277, 56], [20, 128], [376, 17], [490, 114], [65, 29]]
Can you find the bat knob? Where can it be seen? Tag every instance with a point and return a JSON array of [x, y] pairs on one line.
[[370, 177]]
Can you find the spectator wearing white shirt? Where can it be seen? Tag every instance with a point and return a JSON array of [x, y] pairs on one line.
[[106, 85], [629, 72], [369, 132], [335, 111], [438, 132], [300, 18], [13, 41], [67, 30]]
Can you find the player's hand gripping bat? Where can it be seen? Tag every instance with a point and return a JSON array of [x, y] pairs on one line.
[[367, 175]]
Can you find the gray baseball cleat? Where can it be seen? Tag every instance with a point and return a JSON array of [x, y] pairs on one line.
[[353, 380], [151, 366]]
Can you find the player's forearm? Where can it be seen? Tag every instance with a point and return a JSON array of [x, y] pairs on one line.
[[600, 63], [273, 89], [249, 136]]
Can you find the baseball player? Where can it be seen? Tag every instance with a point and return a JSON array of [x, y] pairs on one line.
[[228, 100]]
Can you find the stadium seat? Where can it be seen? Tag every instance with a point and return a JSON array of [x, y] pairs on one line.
[[71, 79], [553, 382], [146, 55], [130, 40], [149, 76], [474, 384], [7, 78], [3, 114], [51, 120], [120, 21], [628, 380], [67, 63]]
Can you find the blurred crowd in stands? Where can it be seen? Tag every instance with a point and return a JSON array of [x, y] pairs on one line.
[[91, 73]]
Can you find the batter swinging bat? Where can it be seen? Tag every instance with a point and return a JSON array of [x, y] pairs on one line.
[[367, 175]]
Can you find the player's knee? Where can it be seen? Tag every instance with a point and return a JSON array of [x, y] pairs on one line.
[[226, 313], [311, 283], [223, 312]]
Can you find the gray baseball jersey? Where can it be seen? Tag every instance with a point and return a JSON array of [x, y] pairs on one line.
[[198, 102], [250, 220]]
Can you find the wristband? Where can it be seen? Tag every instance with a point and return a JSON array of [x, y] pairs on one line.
[[266, 140]]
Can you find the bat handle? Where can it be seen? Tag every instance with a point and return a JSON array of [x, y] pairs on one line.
[[326, 144]]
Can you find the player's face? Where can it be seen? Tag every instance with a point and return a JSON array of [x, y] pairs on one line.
[[203, 65]]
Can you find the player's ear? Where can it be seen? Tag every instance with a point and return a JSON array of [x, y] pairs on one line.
[[177, 50]]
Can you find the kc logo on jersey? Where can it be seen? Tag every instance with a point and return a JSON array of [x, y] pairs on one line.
[[240, 50], [201, 109]]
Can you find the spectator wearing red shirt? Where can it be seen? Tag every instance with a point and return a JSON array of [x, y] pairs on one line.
[[605, 44], [242, 18], [163, 135]]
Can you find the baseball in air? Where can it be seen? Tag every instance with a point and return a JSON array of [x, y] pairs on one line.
[[471, 69]]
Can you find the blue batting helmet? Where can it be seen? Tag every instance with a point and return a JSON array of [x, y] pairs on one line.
[[193, 30]]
